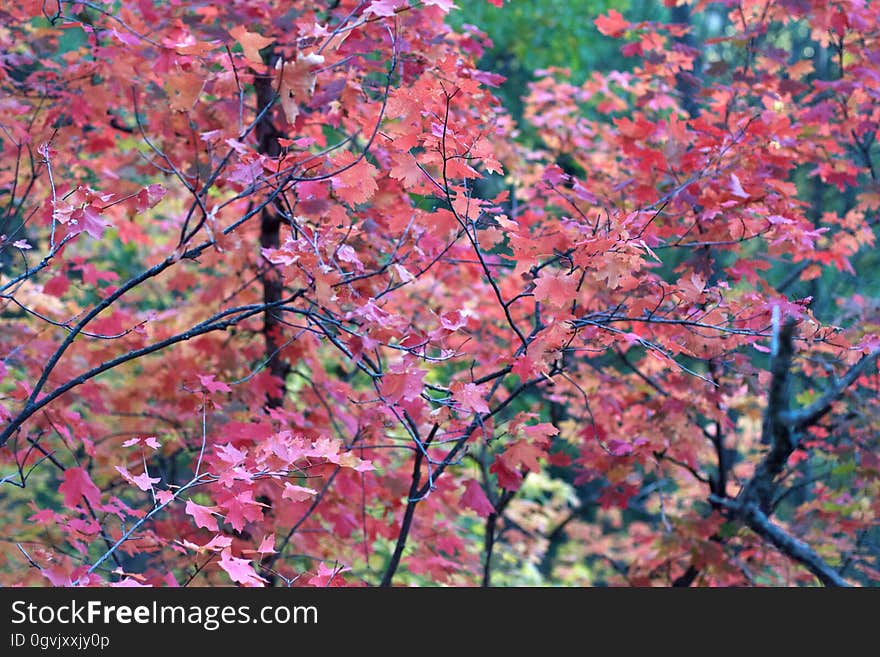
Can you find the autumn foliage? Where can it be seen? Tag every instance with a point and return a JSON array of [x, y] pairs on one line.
[[289, 299]]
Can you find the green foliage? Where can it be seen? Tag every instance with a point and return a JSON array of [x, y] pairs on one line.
[[530, 35]]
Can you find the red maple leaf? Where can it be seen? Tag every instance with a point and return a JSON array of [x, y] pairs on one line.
[[355, 179], [149, 441], [445, 5], [267, 545], [327, 576], [619, 447], [640, 128], [214, 545], [76, 485], [475, 498], [525, 367], [540, 433], [406, 385], [209, 384], [325, 448], [406, 169], [88, 220], [149, 196], [470, 397], [508, 478], [241, 509]]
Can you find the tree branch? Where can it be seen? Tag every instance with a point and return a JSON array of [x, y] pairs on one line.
[[489, 539], [411, 502], [807, 416], [788, 545], [760, 487], [215, 323]]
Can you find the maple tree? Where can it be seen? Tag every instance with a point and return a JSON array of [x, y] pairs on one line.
[[286, 301]]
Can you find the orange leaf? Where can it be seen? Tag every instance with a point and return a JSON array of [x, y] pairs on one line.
[[523, 453], [297, 83], [251, 43], [183, 90], [357, 183], [555, 289], [613, 24], [406, 169]]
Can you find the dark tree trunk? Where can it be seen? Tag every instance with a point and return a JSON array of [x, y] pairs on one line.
[[270, 238]]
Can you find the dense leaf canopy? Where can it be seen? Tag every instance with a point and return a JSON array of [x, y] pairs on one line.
[[311, 294]]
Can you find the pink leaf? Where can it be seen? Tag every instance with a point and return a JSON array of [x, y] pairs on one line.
[[619, 447], [470, 398], [347, 254], [203, 515], [325, 448], [297, 493], [149, 441], [230, 454], [209, 384], [325, 575], [540, 433], [145, 481], [89, 220], [736, 187], [267, 545], [240, 570], [219, 542], [149, 196], [403, 386], [125, 37], [556, 289], [242, 509], [130, 582], [444, 5], [453, 320], [383, 7], [77, 484], [142, 481]]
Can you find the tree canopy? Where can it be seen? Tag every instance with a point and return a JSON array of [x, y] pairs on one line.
[[311, 294]]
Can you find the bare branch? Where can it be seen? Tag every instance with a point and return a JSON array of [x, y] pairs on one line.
[[807, 416]]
